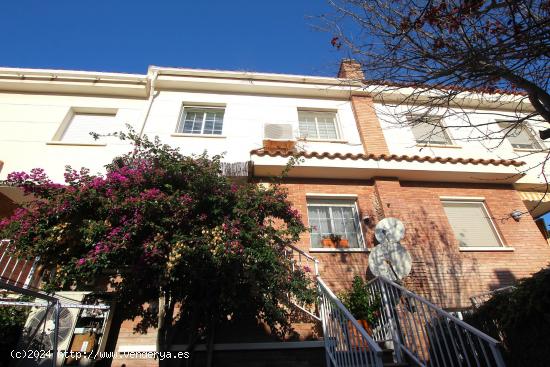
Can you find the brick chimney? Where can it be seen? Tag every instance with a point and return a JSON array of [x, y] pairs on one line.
[[367, 121], [350, 69]]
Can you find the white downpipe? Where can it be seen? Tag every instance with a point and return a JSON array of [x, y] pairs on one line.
[[150, 101]]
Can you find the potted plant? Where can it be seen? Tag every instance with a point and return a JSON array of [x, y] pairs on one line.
[[335, 241], [362, 305]]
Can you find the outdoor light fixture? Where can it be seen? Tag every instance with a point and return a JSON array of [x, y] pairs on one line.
[[366, 219], [516, 214], [544, 134]]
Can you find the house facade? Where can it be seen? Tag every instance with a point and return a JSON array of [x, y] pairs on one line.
[[357, 164]]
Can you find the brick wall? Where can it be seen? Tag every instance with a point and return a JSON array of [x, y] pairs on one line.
[[350, 69], [368, 125], [440, 271], [336, 268]]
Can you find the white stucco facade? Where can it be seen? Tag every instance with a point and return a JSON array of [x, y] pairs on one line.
[[35, 105], [467, 142]]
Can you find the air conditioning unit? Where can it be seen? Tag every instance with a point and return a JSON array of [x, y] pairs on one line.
[[279, 137], [38, 333]]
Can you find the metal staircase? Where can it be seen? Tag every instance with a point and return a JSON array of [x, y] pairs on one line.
[[411, 331]]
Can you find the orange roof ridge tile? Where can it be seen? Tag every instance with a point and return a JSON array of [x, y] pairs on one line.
[[387, 157]]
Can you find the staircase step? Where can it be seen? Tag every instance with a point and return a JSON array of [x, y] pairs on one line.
[[387, 356]]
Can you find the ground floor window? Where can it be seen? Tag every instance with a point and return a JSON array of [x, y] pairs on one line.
[[335, 220], [471, 223]]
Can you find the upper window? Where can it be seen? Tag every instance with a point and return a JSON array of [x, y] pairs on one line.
[[429, 130], [471, 223], [81, 124], [519, 135], [201, 120], [318, 125], [330, 219]]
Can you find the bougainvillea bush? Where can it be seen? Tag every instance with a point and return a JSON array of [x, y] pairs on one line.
[[172, 228]]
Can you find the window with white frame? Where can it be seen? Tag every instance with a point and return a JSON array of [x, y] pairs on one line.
[[318, 125], [81, 124], [331, 217], [201, 120], [471, 223], [429, 130], [519, 135]]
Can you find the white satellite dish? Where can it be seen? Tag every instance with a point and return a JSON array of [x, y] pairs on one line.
[[390, 260], [389, 230]]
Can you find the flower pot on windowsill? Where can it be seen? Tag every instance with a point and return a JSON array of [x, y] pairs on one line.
[[327, 242]]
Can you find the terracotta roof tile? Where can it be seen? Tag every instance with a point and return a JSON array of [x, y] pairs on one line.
[[387, 157]]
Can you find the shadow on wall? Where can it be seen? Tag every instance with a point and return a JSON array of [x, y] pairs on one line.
[[440, 272], [504, 277]]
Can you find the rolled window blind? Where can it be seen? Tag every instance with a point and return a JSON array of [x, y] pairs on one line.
[[82, 124], [471, 224]]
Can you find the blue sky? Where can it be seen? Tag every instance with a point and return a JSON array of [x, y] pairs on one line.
[[127, 36]]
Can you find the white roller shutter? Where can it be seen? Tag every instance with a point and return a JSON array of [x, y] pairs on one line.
[[471, 224], [79, 128]]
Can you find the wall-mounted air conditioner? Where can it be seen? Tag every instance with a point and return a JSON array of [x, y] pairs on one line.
[[279, 137], [38, 333]]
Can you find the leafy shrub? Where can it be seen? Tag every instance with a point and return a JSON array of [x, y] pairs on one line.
[[452, 345], [361, 304], [12, 320], [521, 320]]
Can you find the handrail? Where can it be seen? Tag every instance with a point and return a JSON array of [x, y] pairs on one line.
[[478, 299], [442, 312], [427, 334], [349, 316], [302, 252], [346, 342], [297, 260]]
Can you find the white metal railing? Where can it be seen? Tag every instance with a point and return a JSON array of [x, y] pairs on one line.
[[347, 344], [310, 265], [479, 299], [427, 334]]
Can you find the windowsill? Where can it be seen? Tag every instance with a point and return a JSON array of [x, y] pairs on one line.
[[328, 249], [198, 135], [452, 146], [76, 144], [340, 141], [531, 150], [486, 249]]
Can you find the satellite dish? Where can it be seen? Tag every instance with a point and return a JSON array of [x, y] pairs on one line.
[[390, 260], [389, 230]]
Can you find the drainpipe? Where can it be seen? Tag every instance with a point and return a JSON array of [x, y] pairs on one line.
[[150, 102]]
